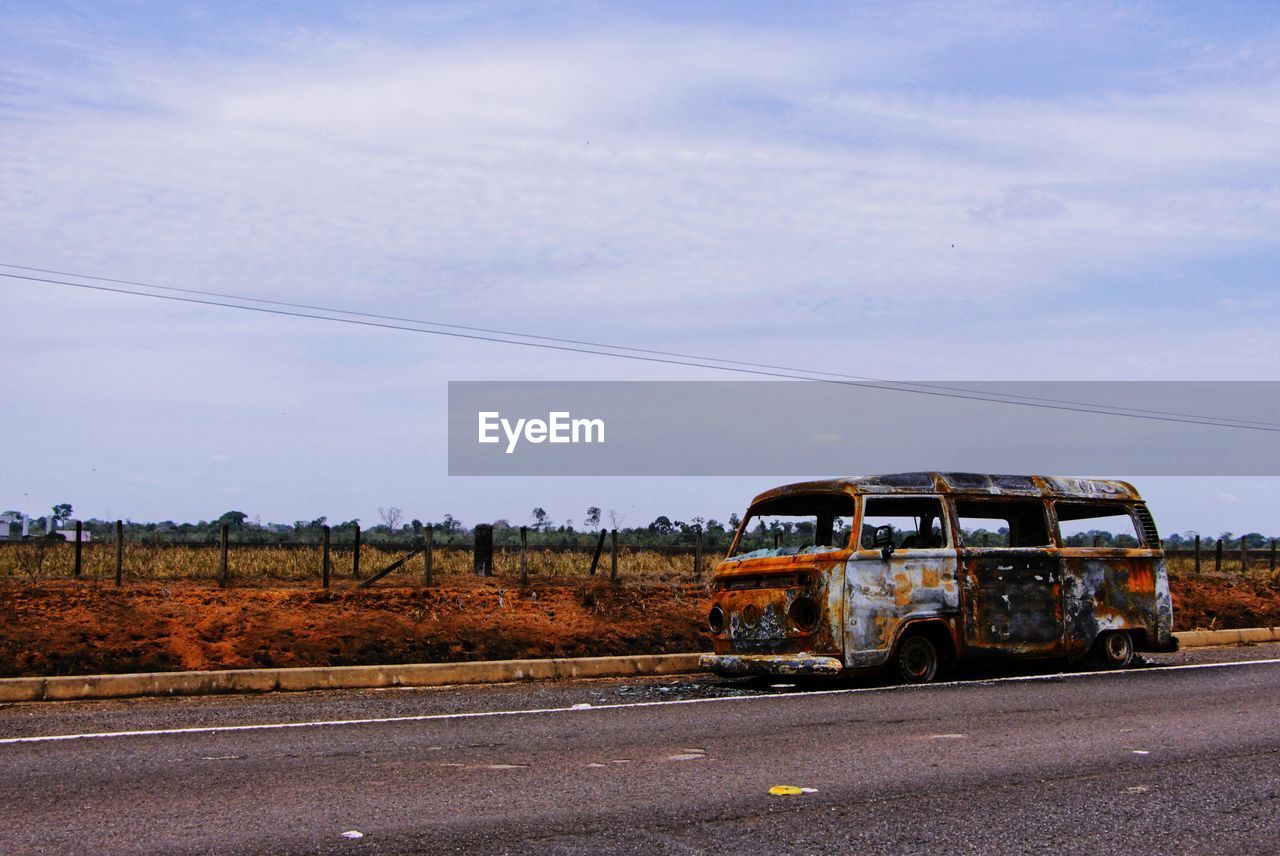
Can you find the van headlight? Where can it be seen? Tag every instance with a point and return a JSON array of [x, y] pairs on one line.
[[804, 613], [715, 619]]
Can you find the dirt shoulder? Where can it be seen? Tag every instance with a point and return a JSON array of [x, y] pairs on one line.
[[59, 628], [62, 627], [1220, 602]]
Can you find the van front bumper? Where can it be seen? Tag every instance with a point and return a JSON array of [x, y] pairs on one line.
[[735, 665]]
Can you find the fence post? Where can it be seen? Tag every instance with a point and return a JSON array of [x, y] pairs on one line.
[[777, 540], [355, 555], [986, 539], [1244, 556], [79, 548], [613, 554], [697, 552], [1273, 556], [1197, 554], [222, 565], [1217, 557], [119, 552], [427, 556], [324, 563], [524, 555], [483, 551], [595, 557]]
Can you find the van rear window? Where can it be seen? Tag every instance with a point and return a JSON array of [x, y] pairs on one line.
[[1084, 524]]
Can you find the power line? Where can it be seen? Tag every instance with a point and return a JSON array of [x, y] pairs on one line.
[[816, 373], [551, 343]]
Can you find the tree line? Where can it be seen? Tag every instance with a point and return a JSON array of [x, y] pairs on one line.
[[541, 530], [392, 530]]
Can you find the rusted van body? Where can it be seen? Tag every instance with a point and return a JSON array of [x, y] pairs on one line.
[[917, 571]]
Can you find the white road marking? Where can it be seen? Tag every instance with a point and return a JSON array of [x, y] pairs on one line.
[[481, 714]]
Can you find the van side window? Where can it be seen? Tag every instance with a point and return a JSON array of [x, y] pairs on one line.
[[1002, 523], [1096, 525], [916, 522]]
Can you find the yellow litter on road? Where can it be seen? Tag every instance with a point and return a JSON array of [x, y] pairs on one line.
[[790, 790]]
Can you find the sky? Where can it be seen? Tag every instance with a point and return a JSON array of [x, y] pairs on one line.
[[979, 191]]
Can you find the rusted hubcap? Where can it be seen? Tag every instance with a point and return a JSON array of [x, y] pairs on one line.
[[918, 660], [1117, 649]]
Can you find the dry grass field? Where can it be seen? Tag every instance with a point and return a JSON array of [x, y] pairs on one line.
[[258, 565]]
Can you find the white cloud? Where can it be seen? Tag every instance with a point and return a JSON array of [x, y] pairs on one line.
[[793, 194]]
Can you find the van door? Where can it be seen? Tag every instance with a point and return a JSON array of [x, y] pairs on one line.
[[914, 580], [1011, 577], [1113, 577]]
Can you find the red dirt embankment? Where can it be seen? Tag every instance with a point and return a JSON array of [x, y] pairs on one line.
[[1221, 602], [62, 627], [59, 628]]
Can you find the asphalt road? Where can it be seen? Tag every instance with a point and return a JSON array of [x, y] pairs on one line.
[[1183, 757]]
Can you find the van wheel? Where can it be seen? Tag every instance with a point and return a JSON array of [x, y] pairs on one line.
[[1113, 650], [917, 660]]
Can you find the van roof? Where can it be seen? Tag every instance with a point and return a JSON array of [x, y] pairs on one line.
[[968, 484]]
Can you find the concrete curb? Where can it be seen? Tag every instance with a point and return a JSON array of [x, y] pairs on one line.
[[1207, 638], [338, 677], [72, 688]]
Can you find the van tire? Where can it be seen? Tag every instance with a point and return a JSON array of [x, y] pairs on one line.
[[917, 660], [1113, 650]]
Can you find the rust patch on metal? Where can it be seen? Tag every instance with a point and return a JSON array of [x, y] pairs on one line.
[[901, 590]]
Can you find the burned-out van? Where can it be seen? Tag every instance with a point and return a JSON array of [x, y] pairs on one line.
[[917, 571]]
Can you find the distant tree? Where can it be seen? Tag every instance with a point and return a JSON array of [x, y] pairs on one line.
[[416, 526], [234, 519], [390, 516], [734, 521], [451, 524], [539, 518], [592, 520], [61, 513], [615, 519], [661, 526]]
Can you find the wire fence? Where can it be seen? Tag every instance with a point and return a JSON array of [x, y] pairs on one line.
[[326, 563]]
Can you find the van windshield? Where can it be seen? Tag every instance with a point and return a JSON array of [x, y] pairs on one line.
[[800, 523]]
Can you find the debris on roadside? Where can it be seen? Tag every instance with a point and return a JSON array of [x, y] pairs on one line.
[[790, 791]]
